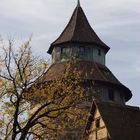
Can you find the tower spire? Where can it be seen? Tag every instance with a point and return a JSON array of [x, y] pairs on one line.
[[78, 3]]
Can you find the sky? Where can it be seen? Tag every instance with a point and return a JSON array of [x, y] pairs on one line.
[[117, 23]]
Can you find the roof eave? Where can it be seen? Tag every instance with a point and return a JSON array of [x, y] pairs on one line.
[[105, 47]]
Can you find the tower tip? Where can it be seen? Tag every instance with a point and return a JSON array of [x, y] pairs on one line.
[[78, 3]]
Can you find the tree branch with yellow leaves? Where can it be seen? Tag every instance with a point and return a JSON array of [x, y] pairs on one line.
[[22, 88]]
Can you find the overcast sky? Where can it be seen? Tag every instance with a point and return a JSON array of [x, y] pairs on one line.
[[117, 23]]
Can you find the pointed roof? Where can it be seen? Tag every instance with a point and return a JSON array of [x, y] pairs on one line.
[[78, 30], [122, 122]]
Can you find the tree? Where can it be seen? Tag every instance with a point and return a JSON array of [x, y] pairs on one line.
[[22, 86]]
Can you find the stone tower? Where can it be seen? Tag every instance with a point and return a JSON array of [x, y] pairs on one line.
[[79, 40]]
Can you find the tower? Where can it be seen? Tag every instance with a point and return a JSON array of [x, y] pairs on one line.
[[80, 41]]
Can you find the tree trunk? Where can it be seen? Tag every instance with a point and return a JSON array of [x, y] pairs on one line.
[[23, 136], [13, 136], [15, 123]]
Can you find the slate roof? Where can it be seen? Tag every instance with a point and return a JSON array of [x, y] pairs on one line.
[[78, 30], [88, 71], [122, 122]]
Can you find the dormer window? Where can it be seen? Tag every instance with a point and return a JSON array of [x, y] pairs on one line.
[[111, 95], [99, 52]]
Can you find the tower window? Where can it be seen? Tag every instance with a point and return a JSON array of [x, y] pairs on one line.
[[81, 49], [97, 123], [122, 98], [99, 52], [111, 94], [65, 50]]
